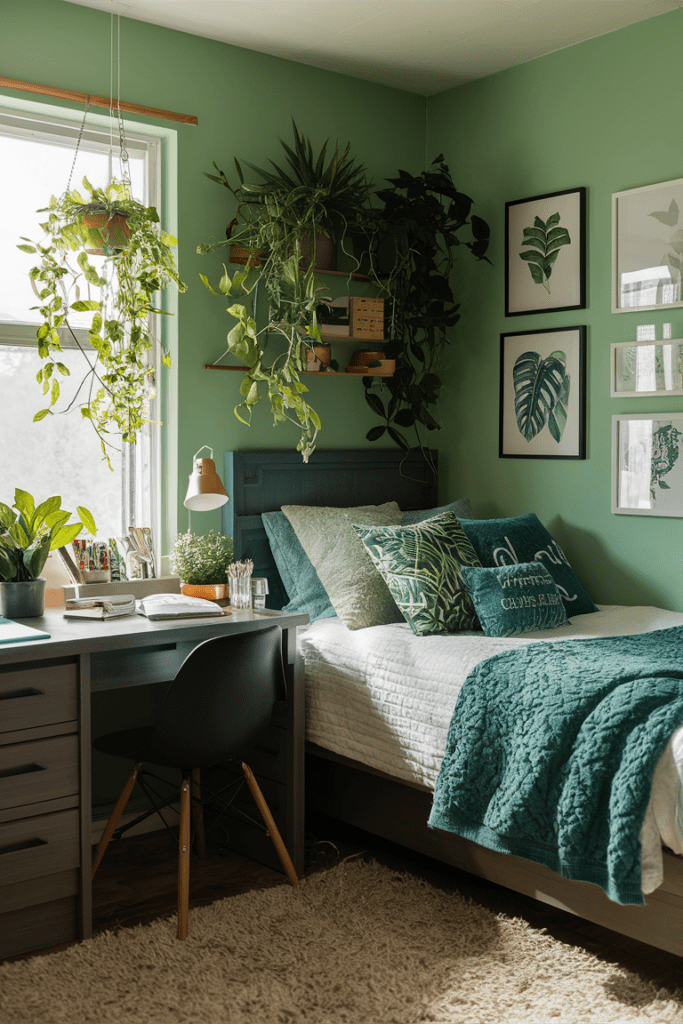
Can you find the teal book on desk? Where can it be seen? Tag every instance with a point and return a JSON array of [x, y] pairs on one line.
[[14, 632]]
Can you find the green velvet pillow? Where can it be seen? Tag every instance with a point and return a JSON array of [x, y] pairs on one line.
[[421, 565], [513, 599], [302, 583], [525, 539]]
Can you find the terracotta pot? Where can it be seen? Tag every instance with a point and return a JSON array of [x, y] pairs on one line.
[[209, 591], [319, 357], [116, 231]]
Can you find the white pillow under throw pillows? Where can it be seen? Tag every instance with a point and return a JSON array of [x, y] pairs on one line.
[[358, 593]]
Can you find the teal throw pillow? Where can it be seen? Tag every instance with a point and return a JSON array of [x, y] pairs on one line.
[[525, 539], [302, 583], [421, 565], [461, 507], [513, 599]]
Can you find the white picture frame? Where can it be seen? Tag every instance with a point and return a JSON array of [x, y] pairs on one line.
[[646, 369], [647, 247], [647, 464]]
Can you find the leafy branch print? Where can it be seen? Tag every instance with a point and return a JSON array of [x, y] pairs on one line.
[[665, 451], [541, 394], [546, 239]]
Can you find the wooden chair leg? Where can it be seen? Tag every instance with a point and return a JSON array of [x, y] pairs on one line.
[[114, 817], [198, 813], [184, 860], [280, 847]]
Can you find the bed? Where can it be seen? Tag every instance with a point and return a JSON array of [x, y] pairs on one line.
[[373, 747]]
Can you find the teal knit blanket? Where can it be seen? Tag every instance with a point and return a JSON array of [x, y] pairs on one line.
[[551, 752]]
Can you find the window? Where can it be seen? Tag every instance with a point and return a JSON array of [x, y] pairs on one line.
[[61, 454]]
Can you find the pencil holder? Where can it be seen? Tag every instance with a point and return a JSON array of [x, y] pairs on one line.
[[239, 584]]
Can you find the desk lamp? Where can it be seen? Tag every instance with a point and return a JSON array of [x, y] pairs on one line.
[[205, 490]]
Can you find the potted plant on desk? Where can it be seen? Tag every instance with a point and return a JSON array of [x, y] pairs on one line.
[[26, 539], [201, 562]]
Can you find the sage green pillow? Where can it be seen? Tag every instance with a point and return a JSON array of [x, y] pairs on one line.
[[359, 595], [514, 599], [421, 564]]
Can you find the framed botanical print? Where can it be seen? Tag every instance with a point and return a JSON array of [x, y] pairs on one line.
[[647, 464], [646, 369], [543, 394], [545, 253], [647, 247]]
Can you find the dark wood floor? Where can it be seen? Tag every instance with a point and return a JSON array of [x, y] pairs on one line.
[[137, 883]]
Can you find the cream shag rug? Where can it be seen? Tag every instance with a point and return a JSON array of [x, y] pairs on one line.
[[358, 944]]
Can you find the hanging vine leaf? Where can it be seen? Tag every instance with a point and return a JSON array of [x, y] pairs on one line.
[[538, 385], [547, 238]]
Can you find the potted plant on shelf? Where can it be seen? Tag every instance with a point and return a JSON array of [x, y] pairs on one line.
[[201, 561], [116, 388], [413, 242], [282, 224], [27, 536]]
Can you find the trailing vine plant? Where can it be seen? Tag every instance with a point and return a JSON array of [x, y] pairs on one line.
[[115, 390], [413, 243], [280, 220]]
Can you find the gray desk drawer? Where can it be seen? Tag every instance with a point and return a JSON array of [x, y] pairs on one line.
[[37, 696], [40, 770], [39, 846]]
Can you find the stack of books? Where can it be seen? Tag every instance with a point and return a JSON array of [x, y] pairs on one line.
[[109, 606]]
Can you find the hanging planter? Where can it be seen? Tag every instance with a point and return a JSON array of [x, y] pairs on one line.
[[115, 391], [108, 231]]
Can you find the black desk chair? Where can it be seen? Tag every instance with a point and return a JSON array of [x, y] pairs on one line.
[[218, 703]]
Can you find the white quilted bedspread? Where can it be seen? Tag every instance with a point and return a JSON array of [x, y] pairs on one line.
[[385, 697]]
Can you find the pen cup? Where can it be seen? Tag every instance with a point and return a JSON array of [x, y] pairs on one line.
[[239, 585]]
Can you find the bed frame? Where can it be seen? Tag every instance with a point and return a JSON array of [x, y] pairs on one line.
[[369, 799]]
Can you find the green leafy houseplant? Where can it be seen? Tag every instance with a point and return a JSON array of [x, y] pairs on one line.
[[413, 241], [115, 390], [280, 221], [28, 535], [201, 558]]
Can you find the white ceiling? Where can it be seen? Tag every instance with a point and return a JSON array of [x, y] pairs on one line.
[[423, 46]]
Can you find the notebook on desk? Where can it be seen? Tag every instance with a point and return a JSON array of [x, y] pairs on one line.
[[14, 632]]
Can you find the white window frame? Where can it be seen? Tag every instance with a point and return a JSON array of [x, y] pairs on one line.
[[42, 121]]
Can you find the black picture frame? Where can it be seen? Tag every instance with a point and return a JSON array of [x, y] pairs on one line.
[[535, 263], [548, 422]]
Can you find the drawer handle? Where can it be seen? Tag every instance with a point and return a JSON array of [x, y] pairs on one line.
[[27, 844], [28, 691], [273, 751], [22, 769]]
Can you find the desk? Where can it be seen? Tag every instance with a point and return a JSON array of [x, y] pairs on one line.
[[45, 756]]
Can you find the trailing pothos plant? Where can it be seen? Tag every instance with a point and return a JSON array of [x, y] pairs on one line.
[[413, 241], [278, 221], [115, 390]]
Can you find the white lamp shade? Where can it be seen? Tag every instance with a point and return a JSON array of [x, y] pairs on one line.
[[205, 490]]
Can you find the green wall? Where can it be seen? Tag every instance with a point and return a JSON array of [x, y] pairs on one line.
[[603, 115], [245, 102]]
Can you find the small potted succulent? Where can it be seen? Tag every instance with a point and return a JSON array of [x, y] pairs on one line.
[[26, 539], [201, 561]]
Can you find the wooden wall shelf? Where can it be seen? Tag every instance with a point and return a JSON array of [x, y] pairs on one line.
[[315, 373]]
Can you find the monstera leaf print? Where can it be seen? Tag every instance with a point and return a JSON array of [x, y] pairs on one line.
[[541, 394], [546, 239]]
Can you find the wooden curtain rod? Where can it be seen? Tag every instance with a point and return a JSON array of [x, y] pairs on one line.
[[97, 101]]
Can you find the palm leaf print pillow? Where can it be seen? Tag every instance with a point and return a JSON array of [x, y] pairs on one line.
[[420, 564]]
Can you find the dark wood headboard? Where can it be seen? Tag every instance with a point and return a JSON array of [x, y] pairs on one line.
[[263, 481]]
